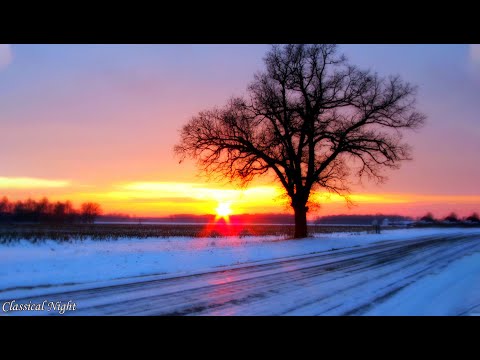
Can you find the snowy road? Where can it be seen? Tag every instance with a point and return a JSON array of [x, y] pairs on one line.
[[342, 282]]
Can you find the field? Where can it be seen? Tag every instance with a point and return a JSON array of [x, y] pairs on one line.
[[70, 232], [259, 275]]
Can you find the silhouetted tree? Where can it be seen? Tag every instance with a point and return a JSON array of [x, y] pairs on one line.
[[43, 210], [63, 212], [6, 209], [310, 119], [89, 212], [428, 218], [452, 217], [25, 210], [473, 218], [5, 205]]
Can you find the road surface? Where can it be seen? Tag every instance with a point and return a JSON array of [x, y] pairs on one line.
[[340, 282]]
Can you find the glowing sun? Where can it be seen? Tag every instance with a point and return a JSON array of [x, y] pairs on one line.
[[223, 209]]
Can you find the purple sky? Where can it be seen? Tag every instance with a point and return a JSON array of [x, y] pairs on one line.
[[102, 116]]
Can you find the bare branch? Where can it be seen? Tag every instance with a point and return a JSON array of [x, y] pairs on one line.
[[308, 118]]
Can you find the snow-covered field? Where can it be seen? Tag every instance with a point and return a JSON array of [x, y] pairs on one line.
[[28, 269], [453, 291]]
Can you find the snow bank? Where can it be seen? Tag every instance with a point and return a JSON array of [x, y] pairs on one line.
[[27, 268]]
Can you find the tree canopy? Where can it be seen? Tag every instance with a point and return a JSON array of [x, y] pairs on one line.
[[311, 119]]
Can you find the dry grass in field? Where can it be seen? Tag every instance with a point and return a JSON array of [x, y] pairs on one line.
[[70, 232]]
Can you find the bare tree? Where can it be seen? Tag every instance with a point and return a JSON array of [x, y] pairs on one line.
[[428, 218], [63, 212], [472, 218], [312, 120], [5, 205], [89, 211], [452, 218], [6, 209]]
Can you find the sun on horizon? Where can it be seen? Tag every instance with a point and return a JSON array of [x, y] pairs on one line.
[[223, 210]]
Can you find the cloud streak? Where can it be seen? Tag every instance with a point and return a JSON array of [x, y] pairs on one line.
[[6, 55], [197, 191], [31, 183]]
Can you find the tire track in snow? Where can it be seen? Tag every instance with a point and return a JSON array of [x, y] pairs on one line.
[[323, 284]]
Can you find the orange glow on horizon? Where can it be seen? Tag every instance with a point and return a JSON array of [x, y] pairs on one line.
[[148, 198]]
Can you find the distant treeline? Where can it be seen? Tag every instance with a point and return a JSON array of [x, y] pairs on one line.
[[452, 218], [361, 219], [44, 211], [395, 219]]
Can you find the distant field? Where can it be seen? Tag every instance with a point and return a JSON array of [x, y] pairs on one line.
[[70, 232]]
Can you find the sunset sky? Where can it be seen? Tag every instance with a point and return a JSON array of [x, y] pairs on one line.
[[99, 122]]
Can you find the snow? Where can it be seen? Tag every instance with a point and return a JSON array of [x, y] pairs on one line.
[[27, 269], [449, 292]]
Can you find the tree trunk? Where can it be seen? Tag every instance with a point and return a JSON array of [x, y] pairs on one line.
[[300, 221]]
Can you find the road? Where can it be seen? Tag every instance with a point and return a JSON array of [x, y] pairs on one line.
[[341, 282]]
